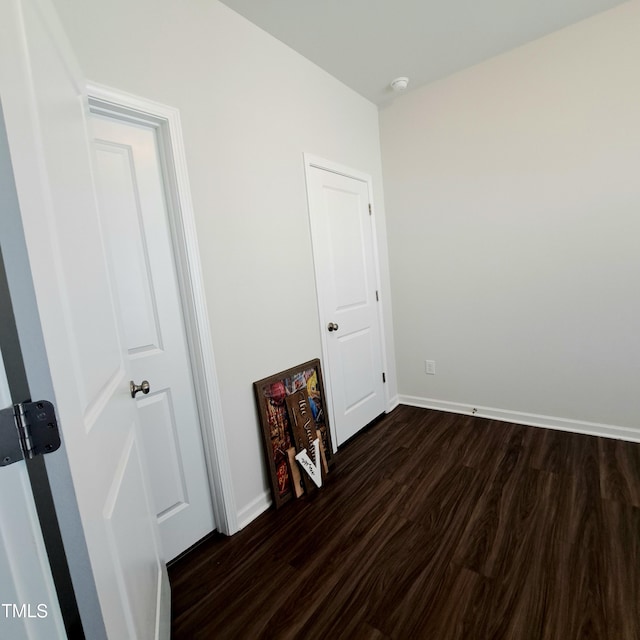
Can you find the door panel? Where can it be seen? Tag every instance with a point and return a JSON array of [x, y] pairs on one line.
[[347, 255], [129, 256], [357, 354], [136, 223], [162, 443], [346, 278], [44, 105]]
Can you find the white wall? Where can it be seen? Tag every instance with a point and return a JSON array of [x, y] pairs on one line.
[[250, 107], [513, 213]]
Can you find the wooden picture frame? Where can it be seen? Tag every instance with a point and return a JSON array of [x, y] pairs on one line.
[[276, 423]]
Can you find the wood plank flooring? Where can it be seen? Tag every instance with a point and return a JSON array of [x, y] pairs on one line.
[[435, 526]]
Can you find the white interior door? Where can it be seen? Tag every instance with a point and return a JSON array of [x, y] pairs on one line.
[[44, 105], [346, 277], [28, 602], [135, 221]]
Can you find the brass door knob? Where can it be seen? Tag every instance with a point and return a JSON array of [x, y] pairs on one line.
[[144, 387]]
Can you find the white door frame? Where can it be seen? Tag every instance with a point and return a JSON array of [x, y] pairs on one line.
[[312, 161], [166, 121]]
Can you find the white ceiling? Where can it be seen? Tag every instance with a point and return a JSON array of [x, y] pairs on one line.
[[367, 43]]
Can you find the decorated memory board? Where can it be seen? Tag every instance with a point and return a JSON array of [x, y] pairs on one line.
[[295, 429]]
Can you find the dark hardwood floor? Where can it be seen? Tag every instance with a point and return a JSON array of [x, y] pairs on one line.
[[435, 526]]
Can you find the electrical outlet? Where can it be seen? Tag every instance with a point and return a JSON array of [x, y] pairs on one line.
[[430, 367]]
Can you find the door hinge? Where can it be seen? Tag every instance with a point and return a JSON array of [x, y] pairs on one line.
[[369, 208], [27, 430], [377, 298], [384, 377]]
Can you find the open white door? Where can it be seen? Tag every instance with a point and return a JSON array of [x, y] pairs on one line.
[[133, 209], [345, 260], [28, 602], [42, 95]]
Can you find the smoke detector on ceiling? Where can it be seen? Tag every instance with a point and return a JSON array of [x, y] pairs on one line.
[[400, 84]]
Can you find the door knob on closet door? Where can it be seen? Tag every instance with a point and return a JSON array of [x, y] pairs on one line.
[[144, 386], [332, 326]]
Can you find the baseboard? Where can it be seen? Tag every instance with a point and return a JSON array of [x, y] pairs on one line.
[[255, 508], [529, 419], [393, 403]]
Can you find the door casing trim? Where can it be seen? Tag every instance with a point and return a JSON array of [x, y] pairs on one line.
[[166, 121]]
